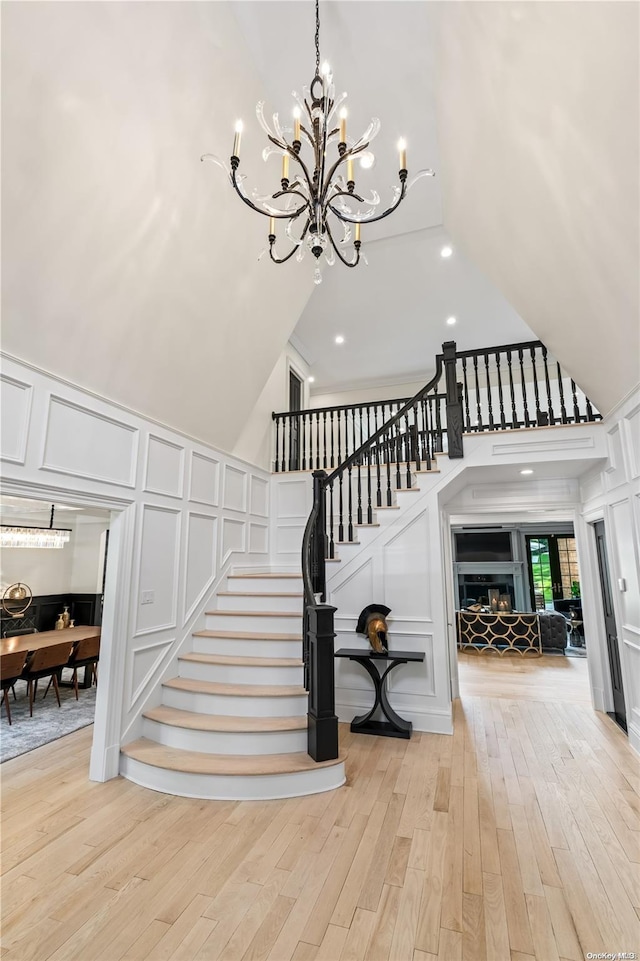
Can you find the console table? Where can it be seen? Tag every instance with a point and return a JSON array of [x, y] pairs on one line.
[[394, 726]]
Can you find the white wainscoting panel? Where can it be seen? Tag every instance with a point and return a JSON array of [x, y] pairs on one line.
[[259, 497], [627, 562], [405, 569], [86, 443], [356, 591], [204, 480], [164, 467], [235, 489], [632, 433], [258, 538], [615, 473], [145, 661], [159, 539], [15, 401], [233, 537], [200, 568]]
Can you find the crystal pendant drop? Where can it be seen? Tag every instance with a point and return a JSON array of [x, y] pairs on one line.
[[317, 276]]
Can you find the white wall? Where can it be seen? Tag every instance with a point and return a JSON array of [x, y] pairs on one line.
[[129, 266], [182, 513], [44, 570], [538, 132], [366, 395], [88, 555], [256, 442], [613, 495]]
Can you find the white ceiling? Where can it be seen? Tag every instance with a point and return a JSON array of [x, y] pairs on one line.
[[393, 313]]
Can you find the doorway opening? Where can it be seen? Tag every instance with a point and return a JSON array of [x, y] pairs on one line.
[[295, 404], [619, 713], [61, 602]]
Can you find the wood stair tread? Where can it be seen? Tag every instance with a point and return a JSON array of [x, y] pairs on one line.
[[235, 690], [260, 593], [256, 613], [223, 722], [194, 762], [271, 574], [248, 636], [240, 660]]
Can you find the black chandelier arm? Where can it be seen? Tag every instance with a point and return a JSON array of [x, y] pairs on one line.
[[370, 220], [285, 215], [283, 260], [287, 193], [345, 193], [347, 263], [292, 153], [344, 157]]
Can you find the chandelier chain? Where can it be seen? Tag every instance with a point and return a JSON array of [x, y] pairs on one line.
[[317, 38]]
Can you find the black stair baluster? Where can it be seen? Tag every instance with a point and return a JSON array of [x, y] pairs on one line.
[[576, 409], [369, 505], [389, 494], [503, 423], [332, 439], [359, 510], [478, 406], [339, 440], [438, 434], [303, 444], [317, 441], [552, 416], [340, 511], [324, 439], [514, 412], [285, 424], [541, 420], [563, 409], [277, 466], [426, 449], [368, 421], [397, 451], [527, 422], [350, 503], [332, 548], [489, 392], [466, 394], [590, 416], [353, 433], [408, 453], [378, 478]]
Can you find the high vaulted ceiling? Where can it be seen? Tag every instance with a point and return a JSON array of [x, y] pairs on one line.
[[131, 268]]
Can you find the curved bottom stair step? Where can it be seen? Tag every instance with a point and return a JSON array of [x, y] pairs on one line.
[[228, 777], [224, 722], [224, 734]]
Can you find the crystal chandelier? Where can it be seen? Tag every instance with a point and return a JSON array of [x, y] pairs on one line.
[[317, 198], [53, 537]]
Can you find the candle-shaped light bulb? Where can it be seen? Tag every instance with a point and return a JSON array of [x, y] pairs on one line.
[[272, 225], [285, 166], [357, 237], [349, 169], [325, 69], [343, 125], [296, 123], [236, 139], [402, 150]]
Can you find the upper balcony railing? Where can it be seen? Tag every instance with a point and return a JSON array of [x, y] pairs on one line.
[[498, 388]]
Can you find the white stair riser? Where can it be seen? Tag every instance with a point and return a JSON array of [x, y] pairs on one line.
[[245, 647], [219, 787], [239, 673], [225, 742], [235, 705], [221, 621], [253, 602], [264, 584]]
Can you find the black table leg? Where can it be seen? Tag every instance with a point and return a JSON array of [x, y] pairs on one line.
[[394, 726]]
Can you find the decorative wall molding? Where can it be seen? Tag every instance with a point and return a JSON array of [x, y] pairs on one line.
[[15, 406], [258, 538], [259, 496], [557, 443], [204, 479], [200, 560], [234, 489], [164, 467], [233, 538], [159, 551], [146, 659], [87, 443]]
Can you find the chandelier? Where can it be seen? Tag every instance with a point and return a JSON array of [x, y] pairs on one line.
[[53, 537], [317, 197]]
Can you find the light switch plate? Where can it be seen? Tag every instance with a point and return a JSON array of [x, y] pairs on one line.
[[147, 597]]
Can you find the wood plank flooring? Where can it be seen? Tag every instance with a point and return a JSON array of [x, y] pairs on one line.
[[518, 838]]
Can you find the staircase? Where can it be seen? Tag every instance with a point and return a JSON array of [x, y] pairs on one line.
[[233, 723]]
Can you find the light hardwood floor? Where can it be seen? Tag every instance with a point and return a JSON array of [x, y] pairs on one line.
[[517, 838]]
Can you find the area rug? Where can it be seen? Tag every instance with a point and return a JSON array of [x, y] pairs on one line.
[[49, 722]]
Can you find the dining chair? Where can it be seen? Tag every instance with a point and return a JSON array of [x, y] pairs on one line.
[[46, 662], [11, 667], [85, 653]]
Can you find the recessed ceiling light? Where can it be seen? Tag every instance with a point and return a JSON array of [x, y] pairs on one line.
[[339, 339], [527, 470], [446, 251], [451, 321], [311, 380]]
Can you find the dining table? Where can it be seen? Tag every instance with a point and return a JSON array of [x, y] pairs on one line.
[[35, 642]]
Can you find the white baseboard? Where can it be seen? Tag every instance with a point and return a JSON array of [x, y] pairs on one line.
[[429, 722]]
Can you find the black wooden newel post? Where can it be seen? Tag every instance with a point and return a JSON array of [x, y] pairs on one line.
[[454, 405], [322, 732]]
